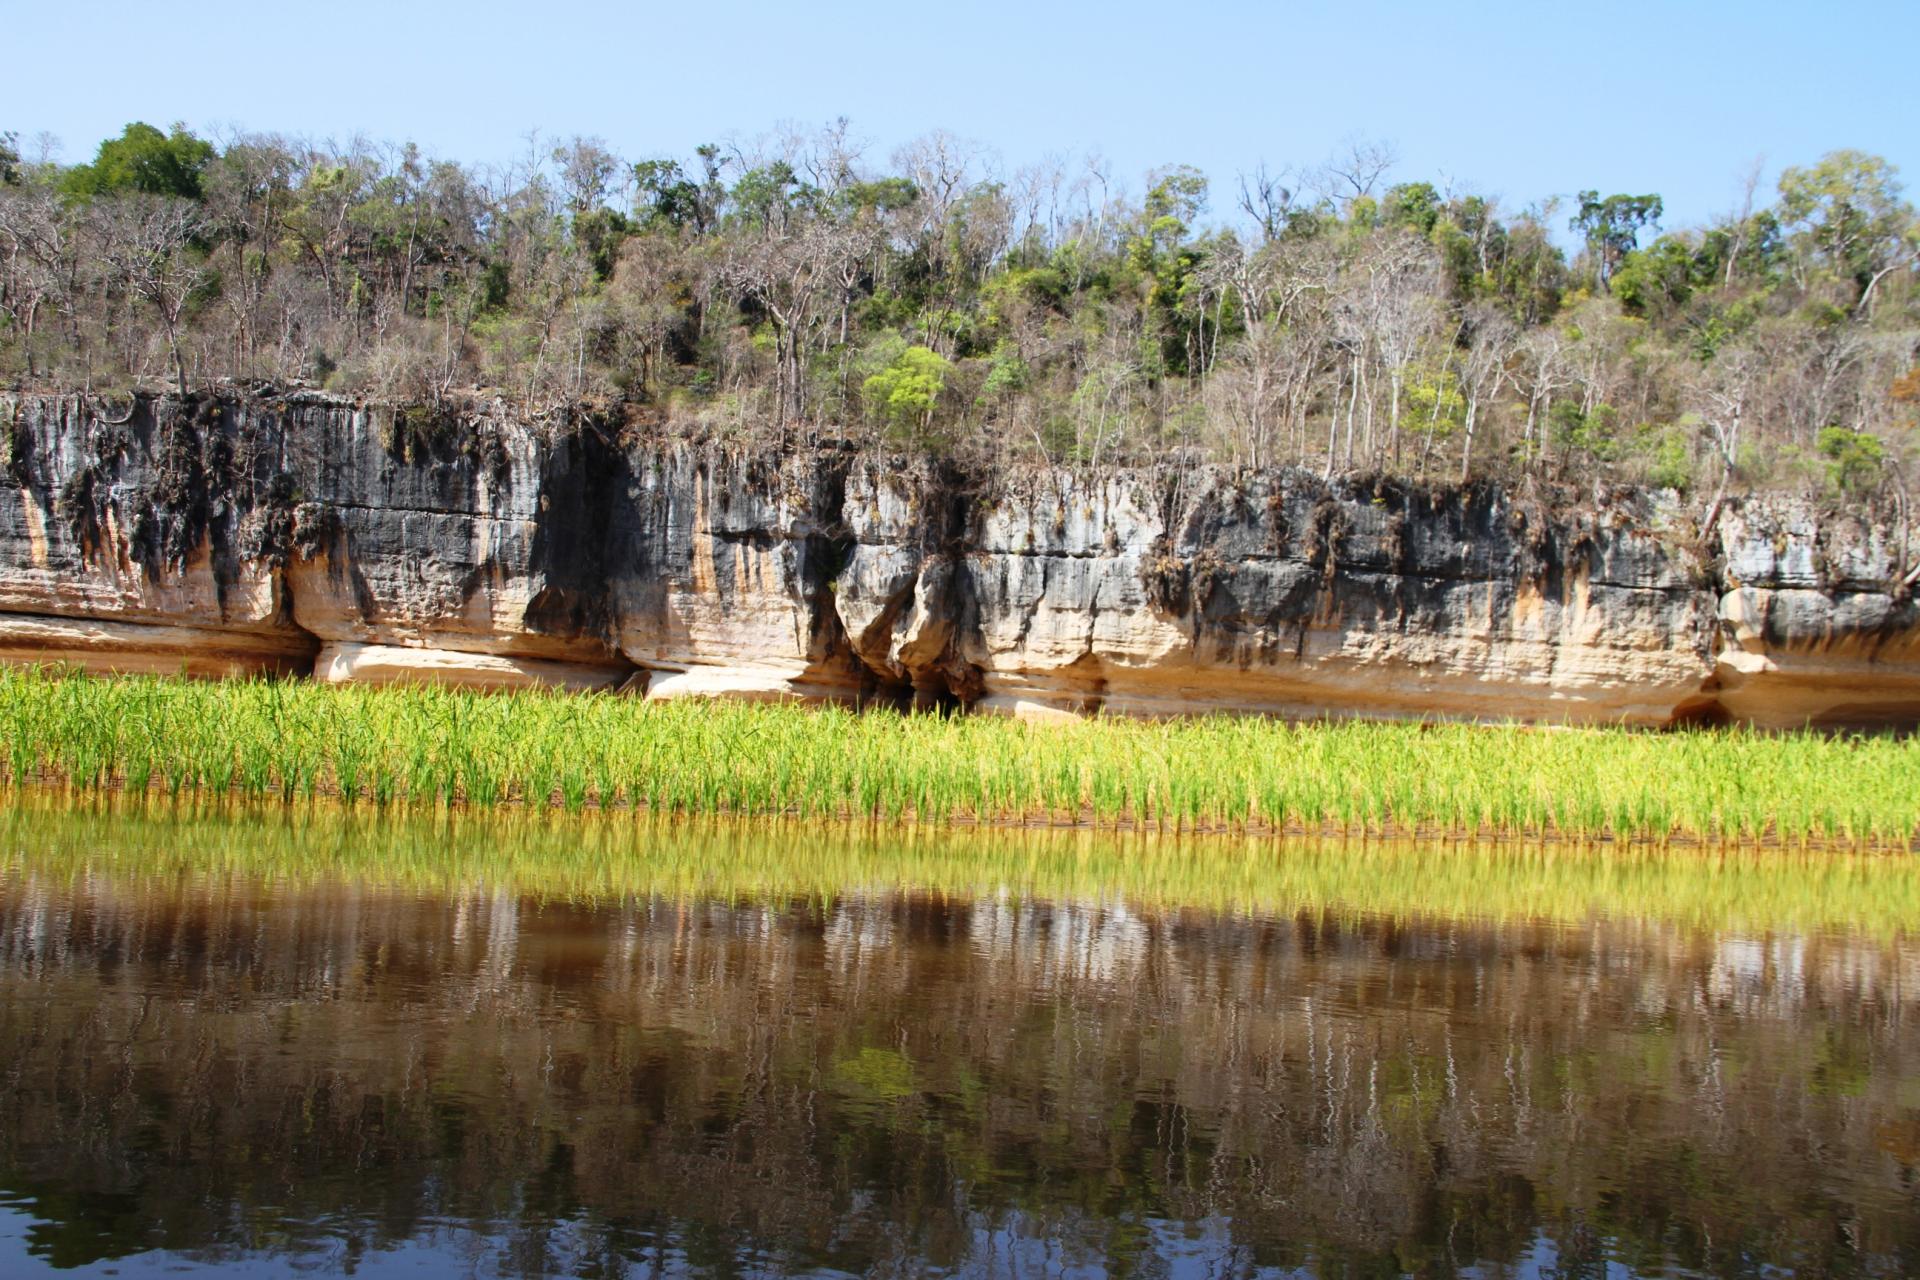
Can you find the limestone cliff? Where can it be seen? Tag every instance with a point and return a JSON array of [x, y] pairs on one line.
[[294, 533]]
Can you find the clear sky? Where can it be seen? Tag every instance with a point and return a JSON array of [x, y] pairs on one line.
[[1516, 100]]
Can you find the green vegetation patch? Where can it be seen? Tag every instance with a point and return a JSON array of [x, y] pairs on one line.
[[427, 746]]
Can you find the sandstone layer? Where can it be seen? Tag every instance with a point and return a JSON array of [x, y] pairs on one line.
[[299, 533]]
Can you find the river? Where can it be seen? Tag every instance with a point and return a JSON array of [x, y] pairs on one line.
[[252, 1042]]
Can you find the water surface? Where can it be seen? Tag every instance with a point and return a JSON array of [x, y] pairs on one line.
[[242, 1043]]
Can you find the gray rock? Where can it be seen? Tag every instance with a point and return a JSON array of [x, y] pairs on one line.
[[471, 546]]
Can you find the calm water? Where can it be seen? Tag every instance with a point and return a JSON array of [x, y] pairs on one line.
[[231, 1045]]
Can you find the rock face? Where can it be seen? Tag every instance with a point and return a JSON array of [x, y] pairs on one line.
[[302, 533], [1818, 620], [137, 541]]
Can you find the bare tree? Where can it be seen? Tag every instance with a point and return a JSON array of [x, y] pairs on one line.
[[586, 171], [150, 245], [1481, 367], [1722, 395], [1541, 370], [1352, 172], [1268, 198], [789, 272], [1038, 190], [1403, 285], [1386, 311], [941, 167], [38, 260], [1275, 287], [1743, 221]]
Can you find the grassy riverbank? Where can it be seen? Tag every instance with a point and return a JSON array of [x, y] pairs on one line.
[[412, 746]]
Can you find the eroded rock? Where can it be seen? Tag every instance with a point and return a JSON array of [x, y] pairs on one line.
[[240, 534]]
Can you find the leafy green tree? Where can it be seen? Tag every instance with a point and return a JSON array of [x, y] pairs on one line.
[[1594, 432], [1658, 280], [9, 159], [600, 232], [1854, 459], [146, 160], [769, 196], [1165, 258], [1751, 249], [1007, 374], [905, 393], [666, 197], [1612, 227], [1846, 214], [1668, 461], [1414, 205], [883, 195]]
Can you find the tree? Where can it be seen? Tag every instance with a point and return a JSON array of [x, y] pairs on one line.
[[1854, 459], [586, 173], [905, 393], [587, 170], [1268, 200], [1527, 271], [1481, 367], [247, 192], [318, 223], [1658, 280], [1722, 395], [1404, 279], [1541, 371], [1846, 214], [1414, 205], [40, 259], [1276, 289], [1356, 168], [652, 287], [145, 160], [787, 264], [1162, 253], [149, 243], [1387, 313], [666, 197], [1612, 227]]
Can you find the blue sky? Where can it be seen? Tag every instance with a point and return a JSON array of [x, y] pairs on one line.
[[1519, 101]]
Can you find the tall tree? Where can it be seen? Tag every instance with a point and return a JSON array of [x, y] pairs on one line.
[[1612, 228], [146, 160], [1846, 215], [150, 245]]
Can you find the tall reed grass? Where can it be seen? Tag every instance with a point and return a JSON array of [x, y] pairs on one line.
[[427, 746]]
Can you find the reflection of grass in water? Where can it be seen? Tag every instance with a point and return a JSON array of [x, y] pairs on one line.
[[431, 747], [599, 858]]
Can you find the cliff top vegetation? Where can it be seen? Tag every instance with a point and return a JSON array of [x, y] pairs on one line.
[[794, 288]]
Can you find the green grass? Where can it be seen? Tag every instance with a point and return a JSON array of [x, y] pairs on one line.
[[143, 844], [419, 746]]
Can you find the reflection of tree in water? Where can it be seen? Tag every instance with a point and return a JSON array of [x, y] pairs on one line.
[[892, 1083]]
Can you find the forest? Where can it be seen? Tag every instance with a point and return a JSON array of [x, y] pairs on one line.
[[793, 290]]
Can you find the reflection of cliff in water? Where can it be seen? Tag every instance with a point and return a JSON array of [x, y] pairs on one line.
[[901, 1082]]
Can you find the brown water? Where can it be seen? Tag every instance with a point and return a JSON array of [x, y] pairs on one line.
[[239, 1070]]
